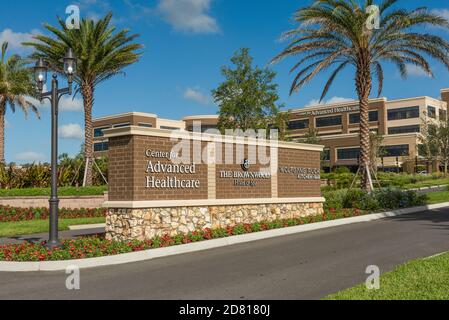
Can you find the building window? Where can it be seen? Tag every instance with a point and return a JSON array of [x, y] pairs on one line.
[[348, 154], [328, 121], [396, 151], [405, 129], [98, 132], [354, 118], [298, 124], [169, 128], [432, 112], [443, 115], [204, 128], [372, 115], [145, 125], [121, 125], [403, 113], [101, 146]]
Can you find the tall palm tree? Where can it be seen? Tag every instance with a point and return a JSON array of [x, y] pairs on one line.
[[101, 52], [16, 87], [335, 34]]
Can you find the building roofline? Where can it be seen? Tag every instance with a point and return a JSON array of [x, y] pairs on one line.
[[119, 115], [415, 98], [444, 90], [208, 137], [337, 104], [200, 117]]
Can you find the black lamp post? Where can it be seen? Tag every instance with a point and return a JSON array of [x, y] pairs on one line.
[[40, 71]]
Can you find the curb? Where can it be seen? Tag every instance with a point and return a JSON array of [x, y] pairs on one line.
[[87, 226], [204, 245]]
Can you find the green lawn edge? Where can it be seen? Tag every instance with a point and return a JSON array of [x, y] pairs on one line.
[[421, 279], [16, 228]]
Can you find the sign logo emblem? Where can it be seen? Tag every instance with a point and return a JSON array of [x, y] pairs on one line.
[[245, 165]]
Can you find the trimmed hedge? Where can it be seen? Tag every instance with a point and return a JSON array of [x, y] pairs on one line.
[[8, 214]]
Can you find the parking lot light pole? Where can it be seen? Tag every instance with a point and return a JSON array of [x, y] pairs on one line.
[[40, 71]]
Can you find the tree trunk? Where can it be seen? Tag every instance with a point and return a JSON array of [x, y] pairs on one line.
[[2, 132], [88, 99], [364, 85]]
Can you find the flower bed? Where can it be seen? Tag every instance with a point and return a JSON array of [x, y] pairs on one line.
[[91, 247], [8, 214]]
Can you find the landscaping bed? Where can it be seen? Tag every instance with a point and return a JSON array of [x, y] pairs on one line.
[[91, 247], [423, 279], [9, 214], [340, 204]]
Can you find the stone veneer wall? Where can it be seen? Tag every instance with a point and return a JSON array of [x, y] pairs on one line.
[[141, 224]]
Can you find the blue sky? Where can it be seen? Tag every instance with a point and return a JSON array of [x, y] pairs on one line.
[[186, 42]]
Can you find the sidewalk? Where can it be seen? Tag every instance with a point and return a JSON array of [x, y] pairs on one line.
[[39, 237]]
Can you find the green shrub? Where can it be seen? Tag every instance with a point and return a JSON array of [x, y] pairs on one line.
[[342, 170], [389, 198]]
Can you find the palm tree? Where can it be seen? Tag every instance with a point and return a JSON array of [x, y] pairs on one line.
[[101, 52], [16, 87], [335, 34]]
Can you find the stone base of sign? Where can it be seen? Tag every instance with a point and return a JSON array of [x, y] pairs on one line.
[[144, 224]]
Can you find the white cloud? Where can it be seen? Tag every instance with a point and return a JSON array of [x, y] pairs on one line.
[[197, 96], [15, 39], [66, 103], [442, 12], [188, 15], [72, 131], [29, 157], [416, 71], [316, 102]]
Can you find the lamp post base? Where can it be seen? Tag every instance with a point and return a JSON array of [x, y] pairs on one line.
[[53, 244]]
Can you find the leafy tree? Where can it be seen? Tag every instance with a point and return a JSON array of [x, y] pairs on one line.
[[311, 137], [102, 53], [335, 34], [16, 86], [434, 140], [247, 98], [279, 122], [376, 149]]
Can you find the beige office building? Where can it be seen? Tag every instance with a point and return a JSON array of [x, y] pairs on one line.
[[400, 122]]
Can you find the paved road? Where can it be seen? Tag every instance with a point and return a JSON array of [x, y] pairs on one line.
[[304, 266]]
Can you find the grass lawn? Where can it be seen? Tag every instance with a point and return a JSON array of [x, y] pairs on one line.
[[62, 191], [427, 183], [438, 197], [9, 229], [423, 279]]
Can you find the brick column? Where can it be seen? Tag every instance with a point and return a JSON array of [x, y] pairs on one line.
[[274, 163], [211, 171]]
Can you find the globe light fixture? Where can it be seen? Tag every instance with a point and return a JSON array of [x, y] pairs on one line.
[[69, 65], [40, 74]]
